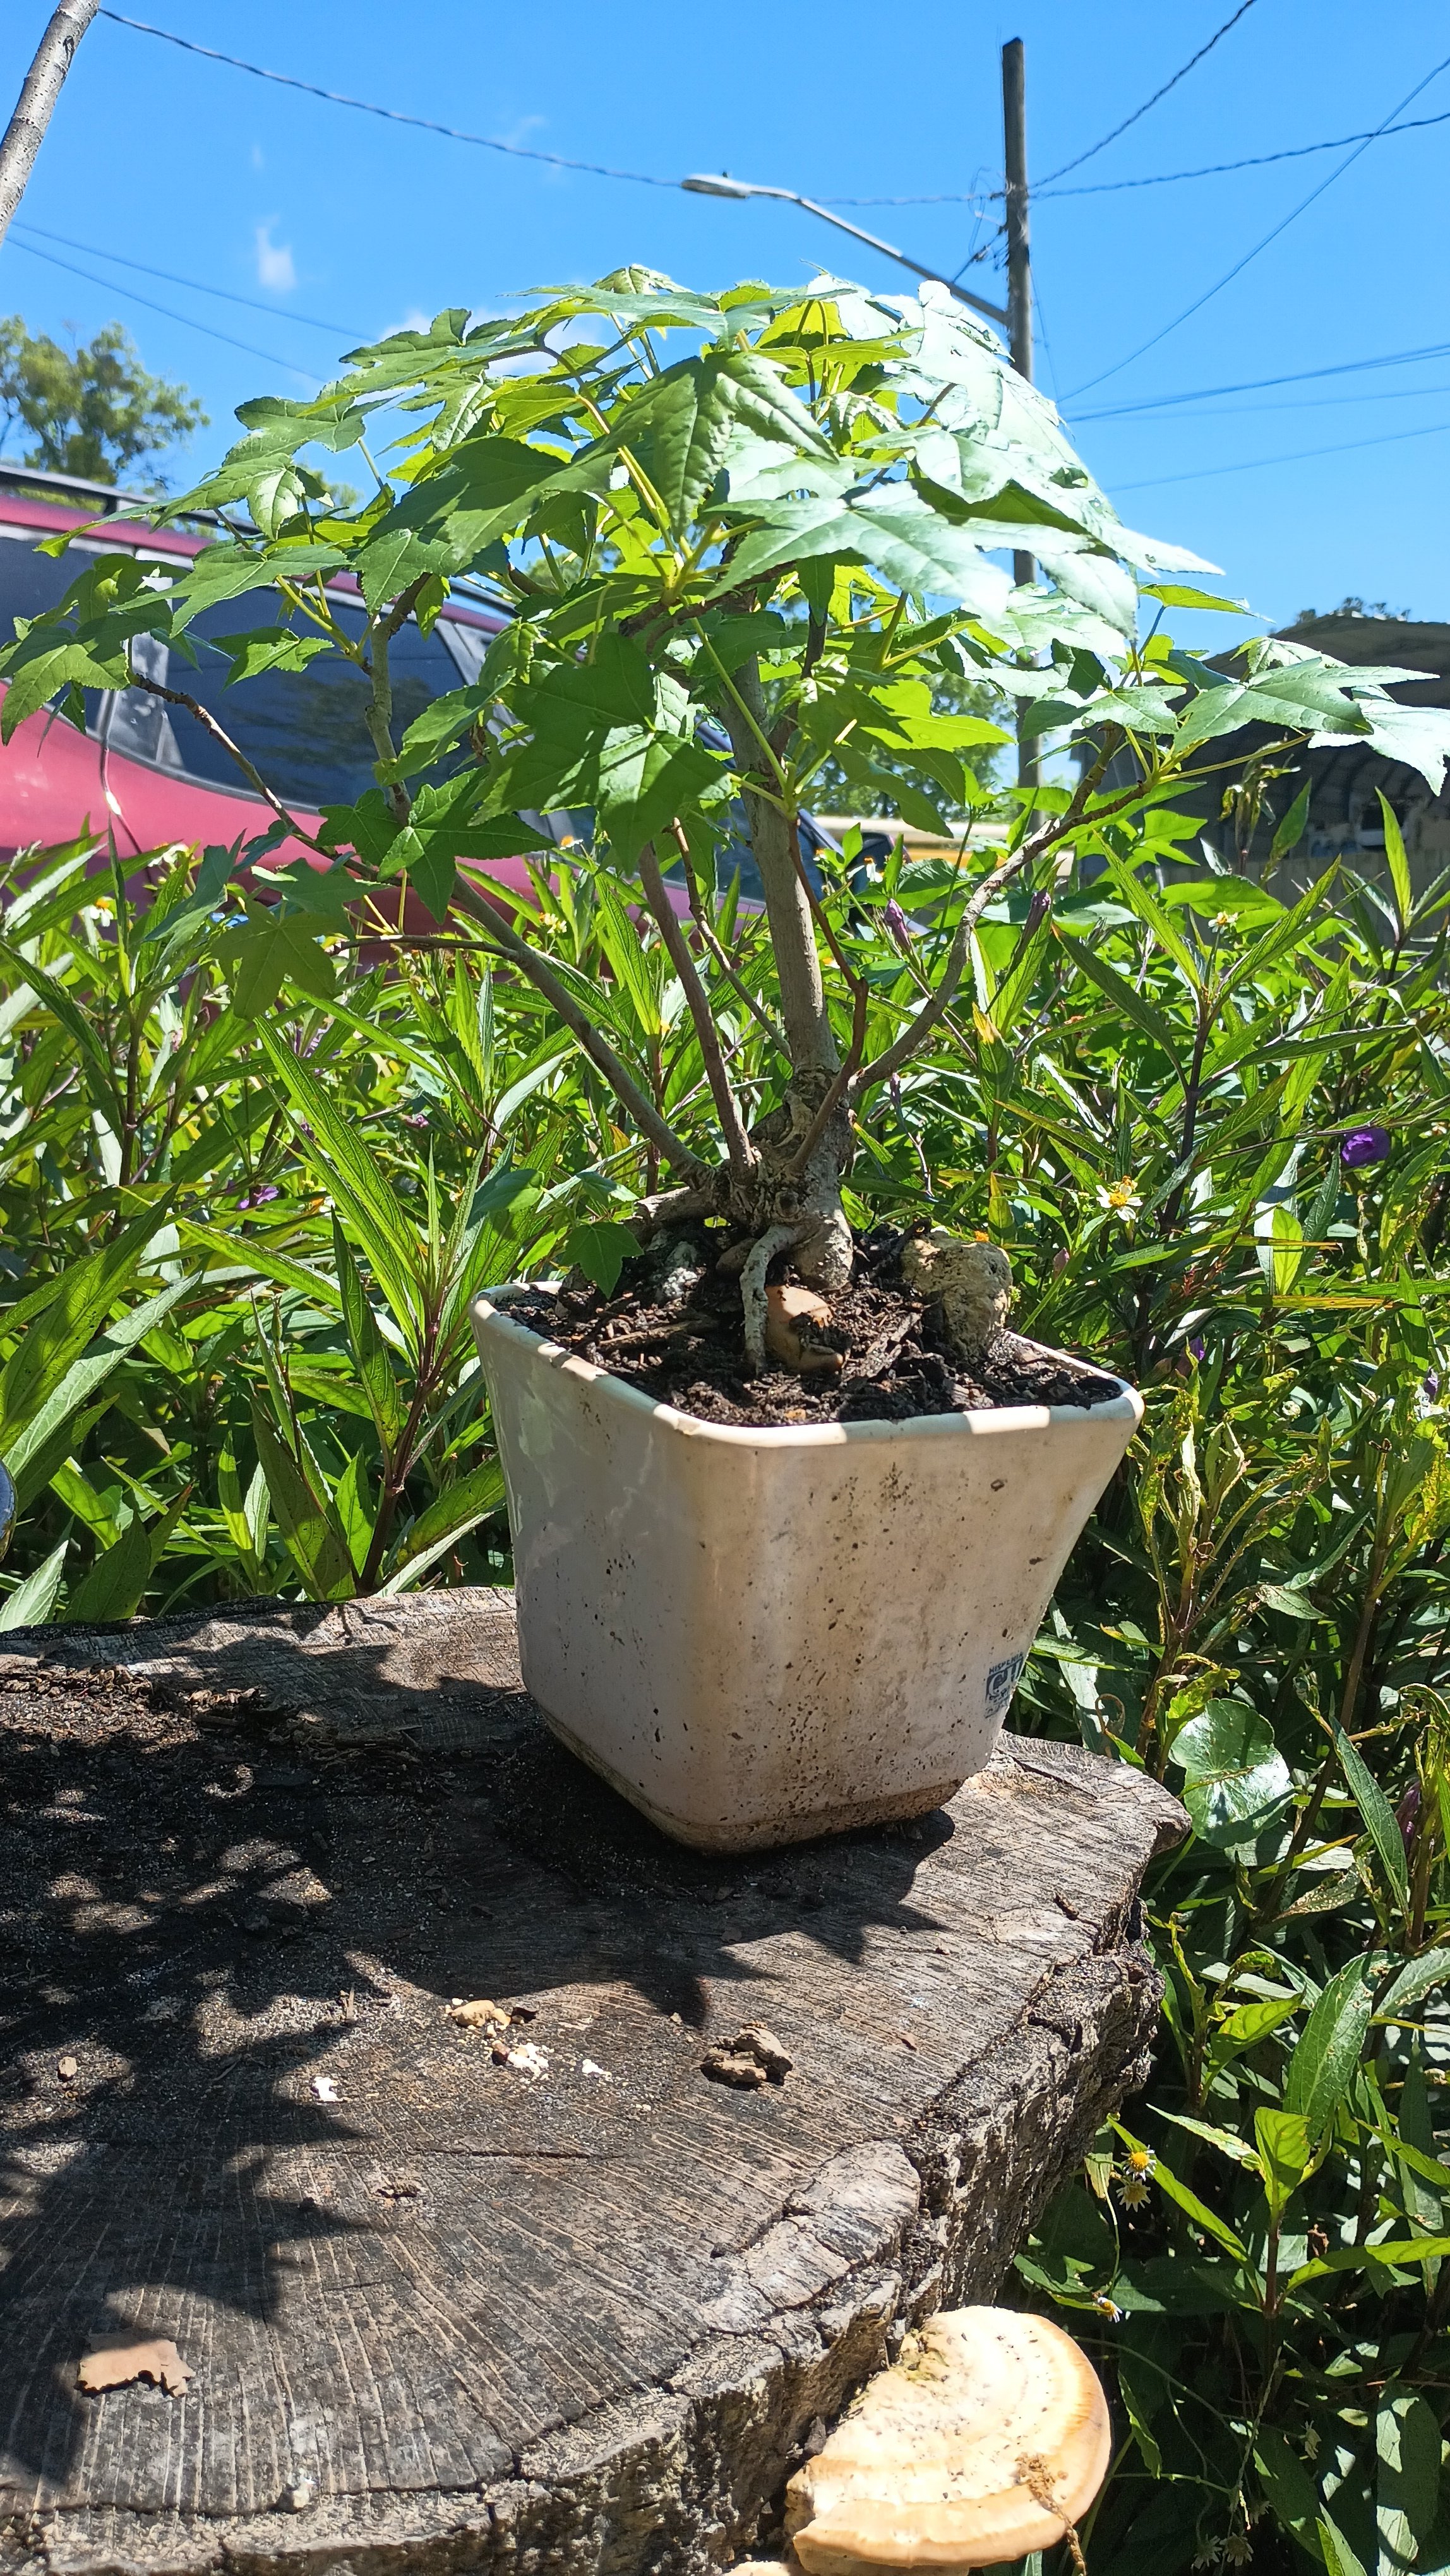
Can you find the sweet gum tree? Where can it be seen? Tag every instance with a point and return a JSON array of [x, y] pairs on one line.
[[726, 568]]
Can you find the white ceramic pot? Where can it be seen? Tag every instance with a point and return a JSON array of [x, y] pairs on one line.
[[758, 1636]]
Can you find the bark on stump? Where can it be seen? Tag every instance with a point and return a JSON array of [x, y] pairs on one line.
[[470, 2317]]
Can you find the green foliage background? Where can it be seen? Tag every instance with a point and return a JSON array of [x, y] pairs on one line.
[[91, 409], [238, 1250]]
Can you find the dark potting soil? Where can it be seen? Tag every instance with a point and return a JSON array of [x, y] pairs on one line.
[[674, 1328]]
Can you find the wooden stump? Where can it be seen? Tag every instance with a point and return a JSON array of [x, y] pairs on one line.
[[578, 2312]]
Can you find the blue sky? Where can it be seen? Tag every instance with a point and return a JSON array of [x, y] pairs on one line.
[[181, 164]]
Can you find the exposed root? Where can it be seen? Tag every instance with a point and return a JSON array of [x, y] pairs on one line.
[[798, 1332], [776, 1238]]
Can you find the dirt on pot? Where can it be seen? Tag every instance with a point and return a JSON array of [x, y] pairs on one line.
[[674, 1328]]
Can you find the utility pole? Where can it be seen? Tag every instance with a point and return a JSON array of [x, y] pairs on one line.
[[1019, 289]]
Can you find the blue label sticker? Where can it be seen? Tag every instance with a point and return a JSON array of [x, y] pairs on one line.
[[1001, 1682]]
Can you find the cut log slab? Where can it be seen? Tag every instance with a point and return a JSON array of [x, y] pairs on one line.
[[578, 2310]]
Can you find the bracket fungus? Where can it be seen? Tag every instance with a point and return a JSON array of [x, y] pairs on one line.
[[987, 2439]]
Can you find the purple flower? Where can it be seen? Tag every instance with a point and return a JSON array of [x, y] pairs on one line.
[[1197, 1345], [259, 1197], [1364, 1145], [897, 924], [1407, 1815]]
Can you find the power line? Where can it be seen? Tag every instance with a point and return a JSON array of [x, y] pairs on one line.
[[1212, 169], [130, 296], [1182, 74], [1157, 178], [1265, 384], [1250, 255], [393, 115], [93, 250], [1296, 456]]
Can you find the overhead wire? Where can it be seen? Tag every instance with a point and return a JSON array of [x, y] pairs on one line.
[[1210, 170], [1181, 74], [197, 285], [392, 115], [1295, 456], [1249, 255], [1266, 384], [187, 320]]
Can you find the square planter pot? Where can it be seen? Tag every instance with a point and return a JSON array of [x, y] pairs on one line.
[[758, 1636]]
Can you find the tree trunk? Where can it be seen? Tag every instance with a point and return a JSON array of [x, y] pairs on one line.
[[36, 104], [799, 1211]]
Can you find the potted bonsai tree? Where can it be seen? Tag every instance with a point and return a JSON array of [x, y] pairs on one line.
[[788, 1497]]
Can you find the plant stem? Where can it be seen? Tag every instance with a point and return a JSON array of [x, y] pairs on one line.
[[739, 1151]]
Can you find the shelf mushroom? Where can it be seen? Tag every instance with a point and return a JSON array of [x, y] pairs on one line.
[[987, 2439]]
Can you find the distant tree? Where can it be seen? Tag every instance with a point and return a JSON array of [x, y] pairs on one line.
[[1353, 606], [90, 409]]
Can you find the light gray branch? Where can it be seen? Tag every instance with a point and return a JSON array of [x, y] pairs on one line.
[[595, 1045], [739, 1151], [35, 106], [809, 1035]]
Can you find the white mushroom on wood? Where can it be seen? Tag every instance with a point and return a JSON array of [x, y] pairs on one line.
[[987, 2439]]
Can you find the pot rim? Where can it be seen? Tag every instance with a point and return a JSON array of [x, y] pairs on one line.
[[1124, 1405]]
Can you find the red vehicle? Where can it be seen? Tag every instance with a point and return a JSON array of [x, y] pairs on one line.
[[156, 776], [149, 770]]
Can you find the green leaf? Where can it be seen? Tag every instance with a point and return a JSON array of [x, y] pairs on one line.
[[1339, 2558], [454, 1512], [1177, 594], [31, 1447], [1407, 2502], [1285, 2153], [268, 648], [1235, 1776], [358, 1182], [116, 1581], [1419, 1977], [1188, 2201], [1290, 831], [600, 1251], [73, 1308], [1396, 861], [353, 1510], [1290, 2489], [304, 1517], [1325, 2061], [1397, 2252], [31, 1602], [1119, 991], [1378, 1814], [374, 1367]]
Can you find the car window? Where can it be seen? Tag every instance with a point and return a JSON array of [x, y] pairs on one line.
[[306, 732]]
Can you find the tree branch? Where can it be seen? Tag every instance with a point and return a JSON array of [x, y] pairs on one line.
[[208, 723], [739, 1151], [930, 1016], [707, 931], [35, 106], [800, 1162], [595, 1045], [809, 1037]]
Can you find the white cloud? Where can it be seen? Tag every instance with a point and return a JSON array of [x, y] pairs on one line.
[[274, 261]]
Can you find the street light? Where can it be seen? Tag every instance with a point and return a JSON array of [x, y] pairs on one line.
[[704, 185]]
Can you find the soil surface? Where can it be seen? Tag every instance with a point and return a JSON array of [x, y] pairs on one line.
[[674, 1328]]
